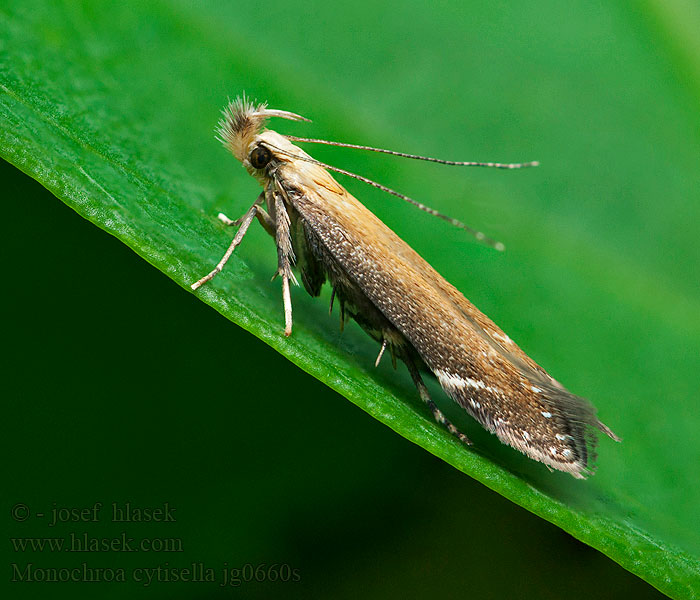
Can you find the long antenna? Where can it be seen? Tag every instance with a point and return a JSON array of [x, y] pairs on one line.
[[494, 165], [479, 235]]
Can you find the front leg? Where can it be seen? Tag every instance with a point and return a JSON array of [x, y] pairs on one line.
[[244, 223], [260, 214]]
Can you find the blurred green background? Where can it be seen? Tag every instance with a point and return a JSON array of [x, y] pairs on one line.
[[125, 387]]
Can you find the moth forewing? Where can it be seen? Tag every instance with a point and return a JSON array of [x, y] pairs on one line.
[[402, 302], [475, 362]]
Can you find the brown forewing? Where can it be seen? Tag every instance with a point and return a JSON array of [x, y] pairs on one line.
[[477, 364]]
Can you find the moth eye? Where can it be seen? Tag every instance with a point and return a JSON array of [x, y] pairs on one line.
[[260, 156]]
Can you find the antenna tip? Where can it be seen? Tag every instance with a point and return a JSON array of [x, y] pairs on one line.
[[499, 246]]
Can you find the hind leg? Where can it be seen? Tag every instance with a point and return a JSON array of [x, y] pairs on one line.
[[425, 396]]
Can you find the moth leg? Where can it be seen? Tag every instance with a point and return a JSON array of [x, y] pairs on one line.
[[230, 222], [330, 309], [261, 214], [226, 221], [266, 221], [285, 258], [343, 316], [437, 413], [381, 352], [244, 223]]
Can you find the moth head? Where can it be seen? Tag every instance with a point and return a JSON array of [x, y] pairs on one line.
[[240, 126]]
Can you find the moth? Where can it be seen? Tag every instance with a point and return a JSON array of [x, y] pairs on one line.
[[326, 234]]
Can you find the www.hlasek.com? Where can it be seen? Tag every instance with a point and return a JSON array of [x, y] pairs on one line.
[[84, 542]]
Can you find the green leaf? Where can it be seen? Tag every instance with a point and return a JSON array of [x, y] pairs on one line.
[[112, 108]]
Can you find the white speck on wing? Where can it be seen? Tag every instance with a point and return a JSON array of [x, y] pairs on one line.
[[450, 380]]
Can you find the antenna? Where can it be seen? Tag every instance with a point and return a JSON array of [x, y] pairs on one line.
[[454, 163], [479, 235]]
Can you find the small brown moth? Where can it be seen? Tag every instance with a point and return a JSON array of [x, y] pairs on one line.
[[398, 298]]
